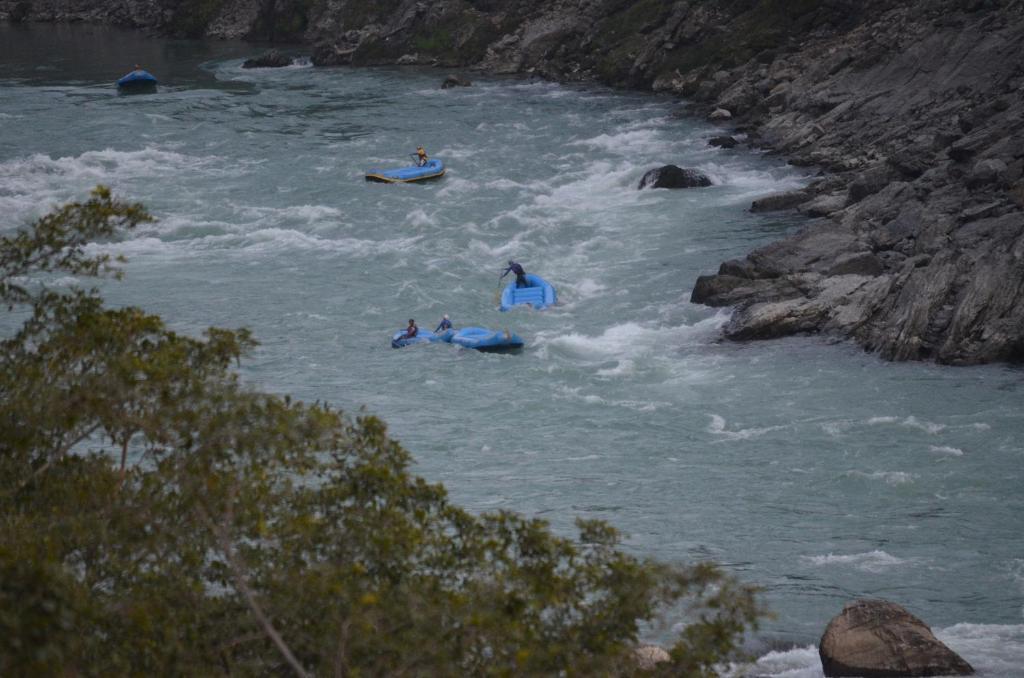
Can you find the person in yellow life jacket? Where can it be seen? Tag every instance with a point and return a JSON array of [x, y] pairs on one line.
[[421, 157]]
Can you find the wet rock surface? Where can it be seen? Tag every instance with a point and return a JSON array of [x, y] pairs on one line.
[[269, 59], [876, 639], [913, 109], [455, 81], [671, 176]]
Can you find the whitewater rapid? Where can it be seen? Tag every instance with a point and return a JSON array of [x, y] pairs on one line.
[[809, 468]]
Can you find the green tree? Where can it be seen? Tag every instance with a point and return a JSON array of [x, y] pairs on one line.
[[157, 516]]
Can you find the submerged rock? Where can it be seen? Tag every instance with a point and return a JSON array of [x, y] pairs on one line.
[[722, 142], [876, 638], [269, 59], [455, 81], [671, 176]]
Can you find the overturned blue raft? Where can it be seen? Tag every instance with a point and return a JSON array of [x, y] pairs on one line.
[[398, 339], [137, 81], [488, 341], [404, 175], [540, 294]]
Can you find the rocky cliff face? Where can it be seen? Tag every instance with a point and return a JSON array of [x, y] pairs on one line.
[[913, 109]]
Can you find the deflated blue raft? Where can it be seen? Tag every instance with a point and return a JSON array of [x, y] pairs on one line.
[[137, 80], [540, 294], [403, 175], [422, 337], [488, 341]]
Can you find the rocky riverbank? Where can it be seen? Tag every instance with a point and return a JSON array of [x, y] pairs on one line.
[[913, 109]]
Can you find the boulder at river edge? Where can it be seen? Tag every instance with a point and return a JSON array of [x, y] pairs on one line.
[[269, 59], [671, 176], [876, 639]]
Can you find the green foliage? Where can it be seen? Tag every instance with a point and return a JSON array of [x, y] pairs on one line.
[[436, 42], [158, 517]]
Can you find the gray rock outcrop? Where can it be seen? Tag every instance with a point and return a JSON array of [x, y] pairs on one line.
[[879, 639], [671, 176]]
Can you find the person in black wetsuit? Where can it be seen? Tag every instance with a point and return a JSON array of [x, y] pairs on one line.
[[513, 267], [411, 330], [445, 324]]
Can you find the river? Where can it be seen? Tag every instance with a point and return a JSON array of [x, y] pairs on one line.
[[808, 467]]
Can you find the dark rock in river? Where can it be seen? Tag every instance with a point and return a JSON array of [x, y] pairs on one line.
[[671, 176], [455, 81], [722, 142], [269, 59], [876, 638]]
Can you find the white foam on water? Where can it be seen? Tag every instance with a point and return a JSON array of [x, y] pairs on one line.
[[946, 450], [261, 241], [631, 143], [625, 340], [926, 426], [456, 153], [587, 288], [799, 662], [32, 185], [599, 186], [576, 393], [750, 182], [623, 368], [836, 428], [504, 184], [893, 478], [992, 649], [981, 426], [718, 428], [457, 186], [871, 561], [418, 218], [874, 421]]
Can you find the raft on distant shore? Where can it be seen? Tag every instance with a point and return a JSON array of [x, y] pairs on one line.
[[539, 294], [434, 169]]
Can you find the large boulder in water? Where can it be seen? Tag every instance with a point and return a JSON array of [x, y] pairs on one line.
[[455, 81], [271, 59], [876, 638], [671, 176]]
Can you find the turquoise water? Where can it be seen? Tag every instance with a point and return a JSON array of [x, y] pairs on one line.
[[805, 466]]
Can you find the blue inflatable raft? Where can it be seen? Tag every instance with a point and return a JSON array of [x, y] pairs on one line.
[[540, 294], [137, 81], [488, 341], [404, 175], [422, 337]]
